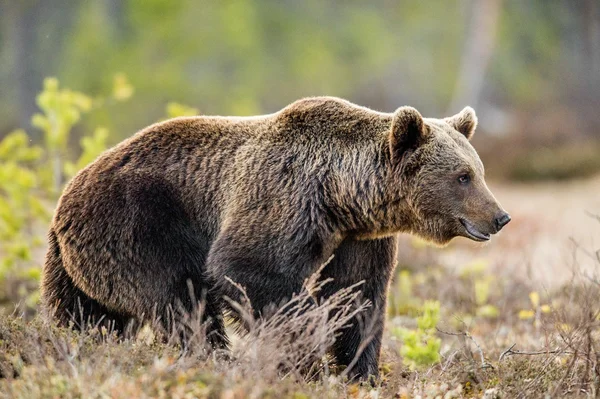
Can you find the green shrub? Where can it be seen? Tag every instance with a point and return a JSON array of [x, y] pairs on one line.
[[421, 346], [20, 206], [32, 176]]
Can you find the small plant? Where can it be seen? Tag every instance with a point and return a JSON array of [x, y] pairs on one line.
[[31, 176], [20, 207], [61, 110], [421, 346], [537, 309]]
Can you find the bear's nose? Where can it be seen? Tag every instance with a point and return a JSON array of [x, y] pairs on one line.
[[502, 220]]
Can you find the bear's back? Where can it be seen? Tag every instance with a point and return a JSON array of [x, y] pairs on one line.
[[329, 118], [199, 158], [191, 158]]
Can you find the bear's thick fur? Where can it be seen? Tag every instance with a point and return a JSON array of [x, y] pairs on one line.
[[265, 201]]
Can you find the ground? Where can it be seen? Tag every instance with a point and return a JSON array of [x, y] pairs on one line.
[[518, 318]]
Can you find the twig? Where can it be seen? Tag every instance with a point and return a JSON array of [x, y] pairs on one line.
[[363, 345], [469, 336], [593, 215], [449, 360], [510, 352], [564, 377], [593, 255], [588, 350], [506, 352]]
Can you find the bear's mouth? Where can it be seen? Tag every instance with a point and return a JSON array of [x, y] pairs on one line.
[[472, 231]]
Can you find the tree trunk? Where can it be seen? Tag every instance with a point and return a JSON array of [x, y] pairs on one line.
[[478, 50], [591, 26], [22, 16]]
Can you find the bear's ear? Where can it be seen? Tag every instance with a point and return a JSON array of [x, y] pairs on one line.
[[465, 122], [408, 132]]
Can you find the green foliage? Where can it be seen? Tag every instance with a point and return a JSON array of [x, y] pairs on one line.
[[15, 148], [19, 204], [31, 176], [421, 346], [61, 110]]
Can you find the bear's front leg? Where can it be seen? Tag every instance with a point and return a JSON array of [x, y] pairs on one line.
[[371, 261]]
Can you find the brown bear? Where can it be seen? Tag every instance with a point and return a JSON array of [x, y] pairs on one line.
[[265, 201]]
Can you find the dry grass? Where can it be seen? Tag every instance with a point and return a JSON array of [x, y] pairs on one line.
[[285, 355], [551, 353]]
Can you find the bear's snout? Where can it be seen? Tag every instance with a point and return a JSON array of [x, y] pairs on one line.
[[501, 220]]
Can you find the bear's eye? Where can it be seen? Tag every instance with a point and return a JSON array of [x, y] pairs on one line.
[[464, 179]]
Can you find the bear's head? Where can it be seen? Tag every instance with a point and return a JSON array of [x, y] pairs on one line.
[[442, 178]]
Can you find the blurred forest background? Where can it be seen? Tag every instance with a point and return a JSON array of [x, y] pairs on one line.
[[531, 69]]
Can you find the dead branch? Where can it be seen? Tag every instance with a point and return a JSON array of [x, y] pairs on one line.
[[565, 375], [593, 215], [467, 335], [510, 351]]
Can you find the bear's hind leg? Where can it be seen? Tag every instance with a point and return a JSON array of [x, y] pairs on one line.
[[77, 307], [166, 280], [67, 303]]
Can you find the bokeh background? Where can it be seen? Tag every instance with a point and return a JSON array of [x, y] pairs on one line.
[[531, 69]]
